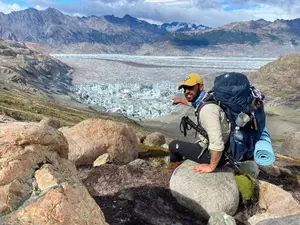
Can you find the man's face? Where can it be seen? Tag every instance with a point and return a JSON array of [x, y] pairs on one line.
[[191, 93]]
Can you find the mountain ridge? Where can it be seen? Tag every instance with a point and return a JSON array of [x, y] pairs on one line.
[[61, 33]]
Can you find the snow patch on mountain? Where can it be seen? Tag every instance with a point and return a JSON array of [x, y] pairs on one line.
[[181, 27]]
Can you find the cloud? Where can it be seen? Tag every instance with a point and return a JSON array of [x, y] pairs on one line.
[[278, 3], [269, 9], [7, 8], [208, 4], [119, 1], [207, 12]]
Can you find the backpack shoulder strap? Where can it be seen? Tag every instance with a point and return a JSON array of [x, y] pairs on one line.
[[209, 99]]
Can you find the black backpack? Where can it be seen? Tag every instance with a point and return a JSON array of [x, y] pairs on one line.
[[233, 92]]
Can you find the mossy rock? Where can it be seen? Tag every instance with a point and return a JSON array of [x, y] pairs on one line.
[[152, 151], [153, 148], [245, 186]]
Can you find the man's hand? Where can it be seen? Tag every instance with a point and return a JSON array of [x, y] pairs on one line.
[[203, 168], [177, 100], [208, 168], [215, 157]]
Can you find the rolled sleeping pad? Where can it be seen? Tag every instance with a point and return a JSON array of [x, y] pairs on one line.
[[263, 152]]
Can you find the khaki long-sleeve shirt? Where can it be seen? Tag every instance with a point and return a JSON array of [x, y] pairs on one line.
[[213, 119]]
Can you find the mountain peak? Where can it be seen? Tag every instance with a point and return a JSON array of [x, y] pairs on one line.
[[53, 11], [129, 20], [261, 20], [31, 9], [28, 11], [128, 16]]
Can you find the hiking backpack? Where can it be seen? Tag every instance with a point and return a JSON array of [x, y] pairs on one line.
[[234, 94]]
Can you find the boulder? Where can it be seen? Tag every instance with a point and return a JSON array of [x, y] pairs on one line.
[[6, 119], [20, 135], [205, 193], [66, 204], [141, 137], [154, 139], [291, 146], [272, 170], [91, 138], [253, 220], [51, 122], [249, 167], [221, 218], [286, 220], [101, 160], [274, 200], [139, 163], [38, 185]]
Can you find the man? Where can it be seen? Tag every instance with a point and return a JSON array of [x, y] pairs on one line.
[[212, 118]]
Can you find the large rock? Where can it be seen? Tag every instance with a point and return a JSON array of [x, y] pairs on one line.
[[253, 220], [274, 202], [286, 220], [141, 137], [205, 193], [277, 201], [37, 185], [6, 119], [66, 204], [18, 134], [221, 218], [155, 138], [291, 146], [51, 122], [92, 138]]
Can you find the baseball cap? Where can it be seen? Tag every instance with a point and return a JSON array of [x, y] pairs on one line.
[[191, 80]]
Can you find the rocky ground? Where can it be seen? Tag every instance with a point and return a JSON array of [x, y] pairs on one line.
[[137, 192]]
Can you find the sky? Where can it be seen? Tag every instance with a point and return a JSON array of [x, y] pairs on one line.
[[211, 13]]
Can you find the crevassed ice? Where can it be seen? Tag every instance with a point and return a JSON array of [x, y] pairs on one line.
[[131, 99]]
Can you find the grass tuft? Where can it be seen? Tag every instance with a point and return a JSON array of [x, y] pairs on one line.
[[24, 106]]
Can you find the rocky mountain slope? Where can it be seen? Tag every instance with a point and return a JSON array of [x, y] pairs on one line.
[[280, 81], [33, 85], [52, 28], [57, 32], [250, 32], [27, 69]]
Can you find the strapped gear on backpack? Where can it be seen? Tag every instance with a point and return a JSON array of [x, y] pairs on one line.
[[234, 94]]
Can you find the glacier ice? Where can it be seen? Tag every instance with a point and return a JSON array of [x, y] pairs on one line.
[[130, 99], [143, 86]]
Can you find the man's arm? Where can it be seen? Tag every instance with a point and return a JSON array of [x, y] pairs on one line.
[[177, 100], [210, 121]]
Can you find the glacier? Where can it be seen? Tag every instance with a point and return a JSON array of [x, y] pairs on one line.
[[143, 86], [130, 99]]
